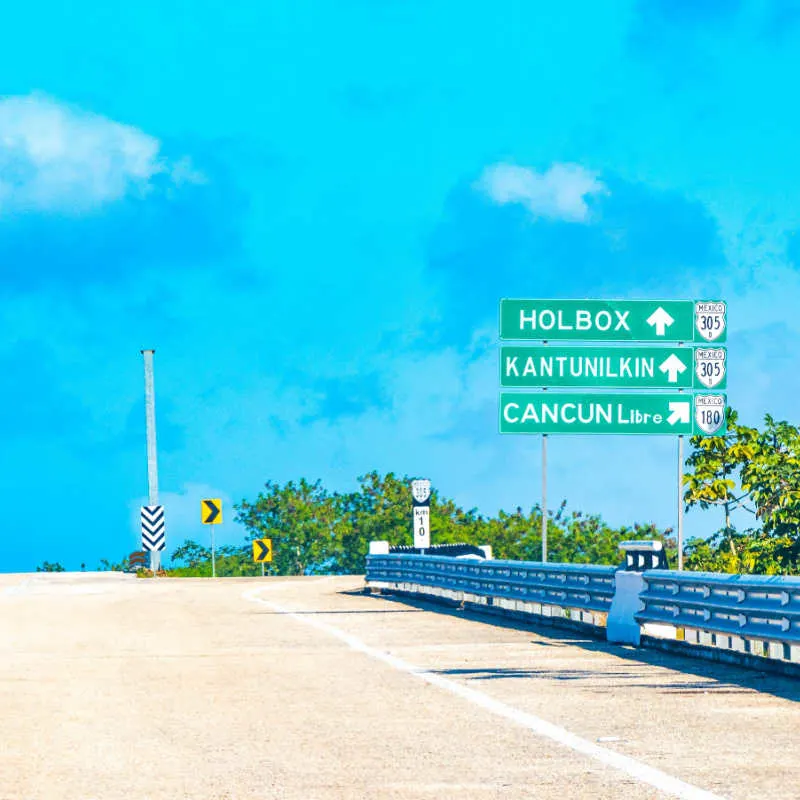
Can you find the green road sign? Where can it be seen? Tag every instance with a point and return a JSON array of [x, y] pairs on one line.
[[557, 412], [614, 320], [575, 367]]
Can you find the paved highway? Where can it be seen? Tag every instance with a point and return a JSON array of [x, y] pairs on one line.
[[113, 687]]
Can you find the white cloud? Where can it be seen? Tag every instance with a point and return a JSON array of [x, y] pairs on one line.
[[54, 157], [558, 193]]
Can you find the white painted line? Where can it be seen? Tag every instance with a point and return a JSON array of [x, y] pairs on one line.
[[630, 766]]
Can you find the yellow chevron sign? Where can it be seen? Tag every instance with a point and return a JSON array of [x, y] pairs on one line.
[[211, 511], [262, 550]]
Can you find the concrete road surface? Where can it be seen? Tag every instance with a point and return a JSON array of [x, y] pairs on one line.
[[117, 687]]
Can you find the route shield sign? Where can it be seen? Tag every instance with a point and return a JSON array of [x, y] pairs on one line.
[[621, 367], [710, 321], [613, 320], [654, 414], [710, 367], [709, 413]]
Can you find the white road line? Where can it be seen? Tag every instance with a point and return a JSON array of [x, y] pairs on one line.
[[630, 766]]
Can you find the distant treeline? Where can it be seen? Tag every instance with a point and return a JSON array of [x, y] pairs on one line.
[[319, 532]]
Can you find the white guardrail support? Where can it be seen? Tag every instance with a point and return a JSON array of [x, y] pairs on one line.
[[747, 619]]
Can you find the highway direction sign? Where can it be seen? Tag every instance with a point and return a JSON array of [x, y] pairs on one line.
[[557, 412], [262, 550], [613, 320], [211, 511], [621, 367], [153, 528]]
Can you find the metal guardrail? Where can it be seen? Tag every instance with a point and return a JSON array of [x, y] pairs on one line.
[[746, 619], [750, 607], [525, 586]]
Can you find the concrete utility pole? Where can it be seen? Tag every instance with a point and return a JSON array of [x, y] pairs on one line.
[[152, 459]]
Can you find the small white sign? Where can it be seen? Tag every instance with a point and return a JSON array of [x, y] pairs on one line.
[[709, 320], [709, 366], [422, 526], [421, 490], [709, 412]]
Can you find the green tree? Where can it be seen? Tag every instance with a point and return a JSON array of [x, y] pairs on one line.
[[572, 537], [754, 469], [300, 519], [48, 566], [378, 511], [772, 478], [191, 554], [121, 566], [716, 463]]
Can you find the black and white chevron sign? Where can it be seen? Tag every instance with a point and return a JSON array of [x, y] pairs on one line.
[[153, 528]]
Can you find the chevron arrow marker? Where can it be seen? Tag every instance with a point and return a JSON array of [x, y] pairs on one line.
[[153, 528], [212, 511], [262, 550]]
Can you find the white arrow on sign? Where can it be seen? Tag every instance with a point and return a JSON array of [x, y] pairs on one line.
[[673, 366], [680, 413], [661, 320]]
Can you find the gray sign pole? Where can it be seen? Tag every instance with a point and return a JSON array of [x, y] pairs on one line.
[[152, 461], [544, 490], [680, 502], [544, 498]]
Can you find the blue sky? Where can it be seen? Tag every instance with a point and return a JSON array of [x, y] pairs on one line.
[[307, 209]]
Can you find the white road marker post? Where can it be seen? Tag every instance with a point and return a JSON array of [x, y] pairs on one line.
[[421, 513]]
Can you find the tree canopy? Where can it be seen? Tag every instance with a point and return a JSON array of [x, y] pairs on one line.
[[319, 532], [757, 470]]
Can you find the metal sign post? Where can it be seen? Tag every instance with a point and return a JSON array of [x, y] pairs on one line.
[[544, 498], [680, 502], [211, 514]]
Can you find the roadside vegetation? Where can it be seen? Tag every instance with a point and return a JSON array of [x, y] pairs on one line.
[[755, 471]]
